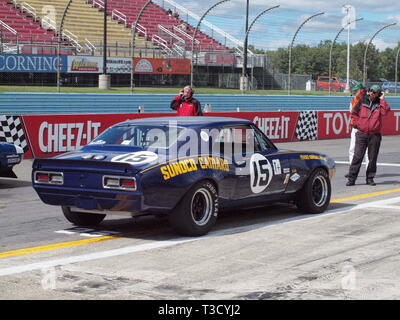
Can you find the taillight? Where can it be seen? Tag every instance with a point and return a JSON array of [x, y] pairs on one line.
[[119, 183], [47, 177], [128, 183], [42, 177]]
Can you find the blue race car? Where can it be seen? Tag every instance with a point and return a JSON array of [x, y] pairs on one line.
[[10, 155], [185, 167]]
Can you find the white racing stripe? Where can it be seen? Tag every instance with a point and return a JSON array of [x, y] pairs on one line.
[[167, 243]]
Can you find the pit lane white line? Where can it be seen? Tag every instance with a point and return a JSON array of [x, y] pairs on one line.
[[384, 164], [167, 243], [86, 232]]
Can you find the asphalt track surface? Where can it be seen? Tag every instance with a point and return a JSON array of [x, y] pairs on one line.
[[349, 252]]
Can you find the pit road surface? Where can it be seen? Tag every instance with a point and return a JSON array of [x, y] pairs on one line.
[[349, 252]]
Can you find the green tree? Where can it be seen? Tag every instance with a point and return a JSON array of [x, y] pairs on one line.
[[315, 60]]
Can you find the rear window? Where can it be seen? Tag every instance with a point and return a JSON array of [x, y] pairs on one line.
[[142, 136]]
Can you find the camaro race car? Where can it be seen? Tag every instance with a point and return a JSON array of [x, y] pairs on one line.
[[185, 167], [10, 155]]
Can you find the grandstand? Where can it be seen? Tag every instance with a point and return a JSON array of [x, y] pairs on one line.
[[18, 26], [156, 24], [32, 27], [158, 33]]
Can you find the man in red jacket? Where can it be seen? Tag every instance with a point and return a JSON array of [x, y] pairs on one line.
[[185, 104], [367, 118]]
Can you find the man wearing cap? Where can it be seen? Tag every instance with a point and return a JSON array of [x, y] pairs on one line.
[[367, 118], [359, 92]]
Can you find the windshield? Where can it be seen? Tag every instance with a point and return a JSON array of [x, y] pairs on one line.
[[143, 136]]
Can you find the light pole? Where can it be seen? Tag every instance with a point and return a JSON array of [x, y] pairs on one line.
[[330, 52], [291, 45], [244, 86], [347, 88], [105, 38], [366, 49], [194, 37], [243, 80], [60, 28], [133, 41], [104, 79], [395, 70]]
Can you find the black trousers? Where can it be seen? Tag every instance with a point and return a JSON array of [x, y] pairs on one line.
[[372, 142]]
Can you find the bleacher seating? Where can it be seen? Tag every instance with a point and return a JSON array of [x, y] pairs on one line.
[[84, 23], [155, 15], [28, 30]]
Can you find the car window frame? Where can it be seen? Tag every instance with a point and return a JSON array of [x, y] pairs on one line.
[[239, 126], [264, 136]]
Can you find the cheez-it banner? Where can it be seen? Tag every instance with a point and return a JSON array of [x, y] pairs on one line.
[[161, 66], [48, 135]]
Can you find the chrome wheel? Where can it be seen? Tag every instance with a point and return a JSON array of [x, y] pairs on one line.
[[201, 207], [319, 191]]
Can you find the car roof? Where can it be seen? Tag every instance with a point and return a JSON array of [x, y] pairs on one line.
[[187, 121]]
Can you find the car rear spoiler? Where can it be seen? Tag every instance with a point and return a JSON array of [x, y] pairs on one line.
[[118, 168]]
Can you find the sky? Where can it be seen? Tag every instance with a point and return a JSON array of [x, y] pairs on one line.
[[276, 28]]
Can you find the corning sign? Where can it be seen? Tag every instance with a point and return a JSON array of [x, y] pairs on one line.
[[31, 63]]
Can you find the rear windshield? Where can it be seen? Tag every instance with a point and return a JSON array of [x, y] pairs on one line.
[[143, 136]]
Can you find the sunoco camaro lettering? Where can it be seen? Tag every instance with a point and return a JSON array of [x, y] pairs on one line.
[[10, 155], [184, 167]]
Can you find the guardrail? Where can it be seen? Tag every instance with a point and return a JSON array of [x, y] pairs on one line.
[[68, 103], [118, 15]]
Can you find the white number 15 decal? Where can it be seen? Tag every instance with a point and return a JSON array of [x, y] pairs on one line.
[[260, 173]]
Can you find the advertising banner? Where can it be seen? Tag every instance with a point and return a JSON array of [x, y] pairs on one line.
[[278, 126], [85, 64], [335, 124], [161, 66], [119, 65], [31, 63], [49, 135]]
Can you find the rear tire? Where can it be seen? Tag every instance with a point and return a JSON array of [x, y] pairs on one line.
[[197, 212], [315, 195], [82, 219]]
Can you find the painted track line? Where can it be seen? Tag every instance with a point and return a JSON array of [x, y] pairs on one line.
[[384, 164], [366, 195], [59, 245], [167, 243]]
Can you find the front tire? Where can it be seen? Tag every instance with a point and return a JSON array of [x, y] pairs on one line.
[[197, 212], [82, 219], [315, 195]]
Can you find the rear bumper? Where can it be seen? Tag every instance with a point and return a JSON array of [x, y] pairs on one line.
[[110, 201]]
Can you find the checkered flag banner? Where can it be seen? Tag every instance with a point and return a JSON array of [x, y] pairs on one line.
[[307, 126], [11, 131]]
